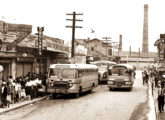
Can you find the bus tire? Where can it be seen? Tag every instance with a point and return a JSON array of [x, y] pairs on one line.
[[54, 95], [78, 94], [129, 89], [91, 89], [110, 89]]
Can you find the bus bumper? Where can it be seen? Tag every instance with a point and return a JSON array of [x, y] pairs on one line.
[[104, 80], [120, 86], [62, 91]]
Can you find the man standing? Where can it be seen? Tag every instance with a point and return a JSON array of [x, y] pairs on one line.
[[4, 94], [160, 98]]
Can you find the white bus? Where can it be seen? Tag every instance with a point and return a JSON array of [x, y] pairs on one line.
[[71, 78]]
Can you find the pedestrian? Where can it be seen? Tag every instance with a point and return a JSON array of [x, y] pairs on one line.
[[35, 88], [13, 93], [160, 98], [156, 81], [146, 77], [143, 77], [4, 94], [31, 90], [27, 87]]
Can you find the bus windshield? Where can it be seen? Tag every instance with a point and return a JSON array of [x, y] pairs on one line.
[[119, 71], [65, 73], [102, 68]]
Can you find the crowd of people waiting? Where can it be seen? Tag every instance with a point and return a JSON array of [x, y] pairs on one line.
[[22, 88], [157, 80]]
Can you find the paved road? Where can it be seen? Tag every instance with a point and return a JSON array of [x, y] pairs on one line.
[[102, 104]]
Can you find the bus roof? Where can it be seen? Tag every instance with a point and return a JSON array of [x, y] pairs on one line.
[[125, 65], [104, 62], [77, 66]]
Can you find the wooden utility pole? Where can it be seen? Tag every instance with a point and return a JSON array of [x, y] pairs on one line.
[[107, 41], [73, 28], [114, 46]]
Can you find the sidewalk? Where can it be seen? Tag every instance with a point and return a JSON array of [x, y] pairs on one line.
[[21, 104], [160, 116]]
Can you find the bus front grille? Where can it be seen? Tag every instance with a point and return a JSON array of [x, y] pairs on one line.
[[119, 82], [59, 84]]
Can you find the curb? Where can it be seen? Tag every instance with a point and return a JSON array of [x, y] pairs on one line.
[[155, 104], [4, 110], [152, 114]]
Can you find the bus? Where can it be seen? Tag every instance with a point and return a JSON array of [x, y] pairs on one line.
[[103, 66], [121, 76], [71, 78]]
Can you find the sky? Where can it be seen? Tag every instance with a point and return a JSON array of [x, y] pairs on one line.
[[108, 18]]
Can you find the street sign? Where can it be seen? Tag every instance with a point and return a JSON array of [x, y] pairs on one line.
[[40, 38], [23, 29], [17, 40]]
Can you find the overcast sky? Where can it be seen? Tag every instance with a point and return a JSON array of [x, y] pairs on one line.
[[106, 17]]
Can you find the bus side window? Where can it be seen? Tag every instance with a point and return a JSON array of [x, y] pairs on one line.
[[80, 72]]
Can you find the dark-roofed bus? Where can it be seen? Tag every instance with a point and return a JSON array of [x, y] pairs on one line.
[[71, 78], [121, 76]]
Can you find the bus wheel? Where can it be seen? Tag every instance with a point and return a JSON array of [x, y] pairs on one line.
[[54, 95], [130, 89], [91, 89], [110, 89], [78, 94]]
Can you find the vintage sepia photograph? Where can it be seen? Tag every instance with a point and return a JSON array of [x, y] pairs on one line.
[[82, 60]]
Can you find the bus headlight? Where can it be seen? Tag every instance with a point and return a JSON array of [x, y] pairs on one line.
[[70, 83], [110, 82], [127, 83], [104, 75]]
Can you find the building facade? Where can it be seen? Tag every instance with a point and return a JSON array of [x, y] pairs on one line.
[[98, 50], [160, 44], [23, 57]]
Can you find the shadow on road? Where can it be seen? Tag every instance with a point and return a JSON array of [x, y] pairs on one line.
[[70, 96]]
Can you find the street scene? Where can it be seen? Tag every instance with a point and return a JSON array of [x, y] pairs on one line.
[[101, 104], [82, 60]]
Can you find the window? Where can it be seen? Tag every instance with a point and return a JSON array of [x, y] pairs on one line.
[[92, 48], [65, 73], [119, 71]]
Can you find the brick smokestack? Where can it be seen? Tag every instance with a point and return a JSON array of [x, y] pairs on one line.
[[120, 43], [145, 31]]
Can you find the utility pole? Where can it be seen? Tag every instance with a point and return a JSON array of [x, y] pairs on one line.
[[73, 28], [108, 40], [114, 46]]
